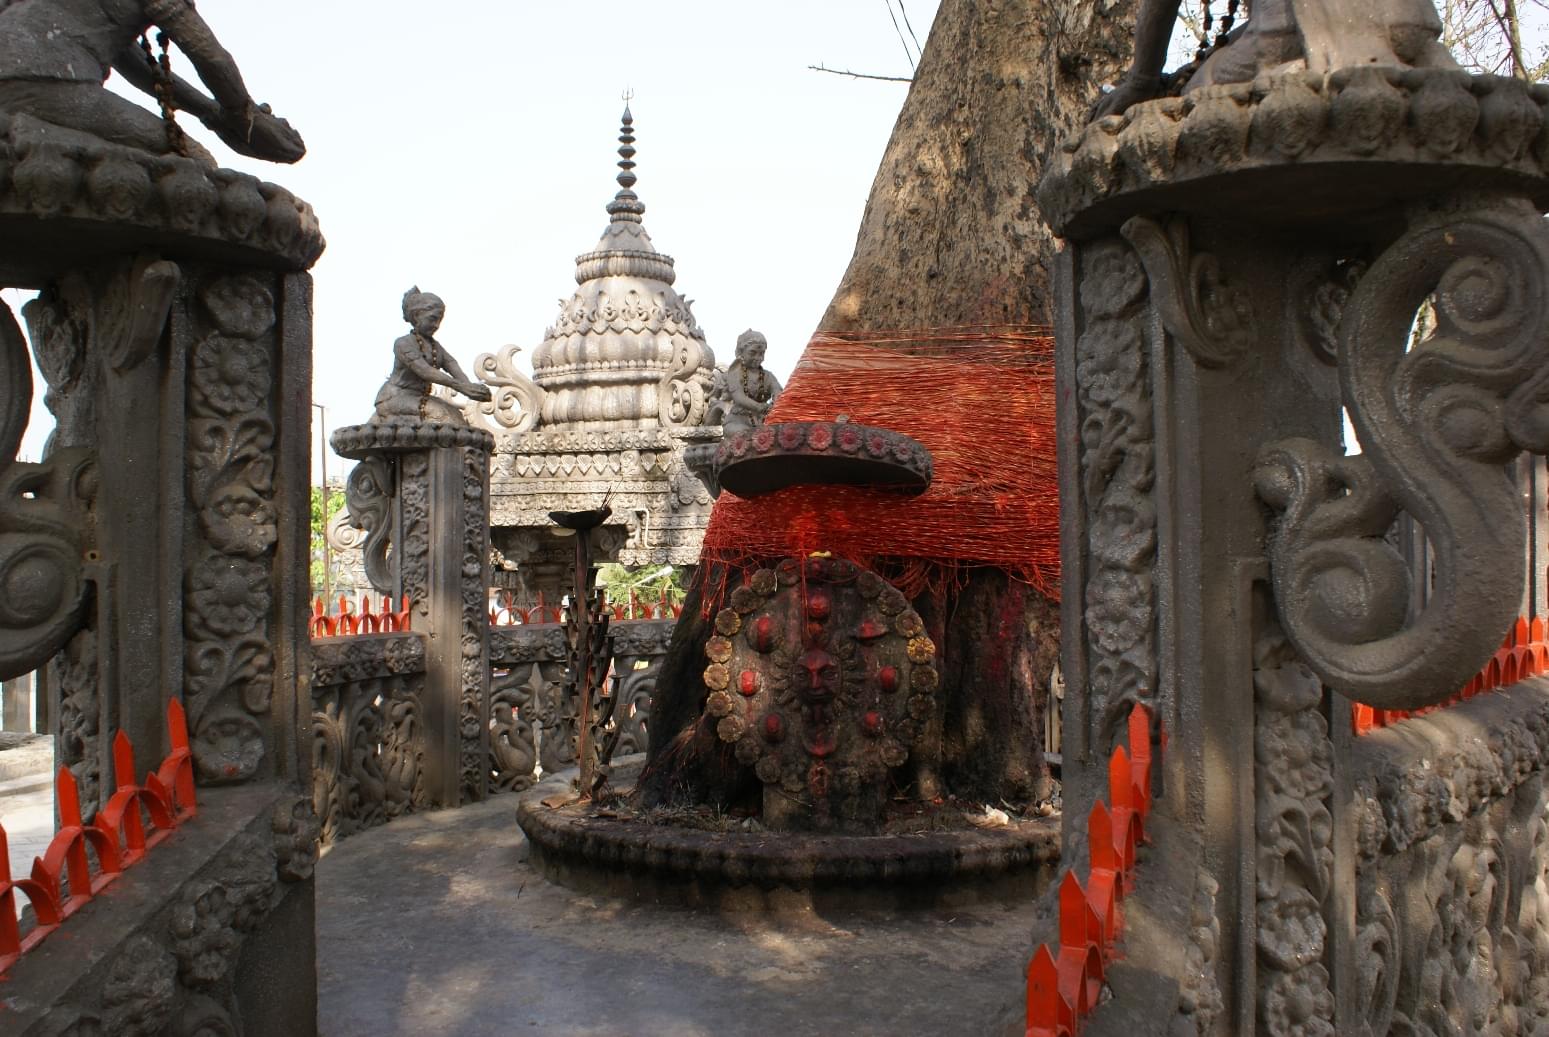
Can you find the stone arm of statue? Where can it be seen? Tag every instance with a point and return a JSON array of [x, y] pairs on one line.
[[1143, 81], [246, 127], [465, 385], [408, 352]]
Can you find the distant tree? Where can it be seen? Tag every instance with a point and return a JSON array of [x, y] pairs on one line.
[[319, 525], [1500, 37]]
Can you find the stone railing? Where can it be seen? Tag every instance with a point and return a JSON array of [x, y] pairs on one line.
[[1451, 832], [531, 724], [368, 702], [369, 706]]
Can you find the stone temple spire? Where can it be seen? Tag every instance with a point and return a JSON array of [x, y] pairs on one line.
[[626, 205], [625, 352]]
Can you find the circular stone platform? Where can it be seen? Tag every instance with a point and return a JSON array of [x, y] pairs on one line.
[[361, 441], [835, 453], [602, 851]]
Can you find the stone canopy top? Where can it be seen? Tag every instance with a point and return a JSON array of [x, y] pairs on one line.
[[62, 192], [1328, 140]]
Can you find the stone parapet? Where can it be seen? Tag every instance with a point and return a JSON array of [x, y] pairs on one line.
[[67, 193], [176, 946], [361, 441], [1331, 142]]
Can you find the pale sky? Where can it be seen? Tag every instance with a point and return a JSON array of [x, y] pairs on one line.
[[469, 147]]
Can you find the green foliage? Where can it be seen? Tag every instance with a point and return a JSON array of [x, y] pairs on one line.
[[319, 523], [647, 584]]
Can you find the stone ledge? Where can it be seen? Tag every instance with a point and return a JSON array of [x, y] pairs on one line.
[[601, 441], [360, 441], [771, 457], [354, 657], [66, 193], [125, 955], [1356, 142], [726, 870], [1419, 774]]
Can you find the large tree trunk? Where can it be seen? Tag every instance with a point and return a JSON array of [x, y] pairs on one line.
[[951, 236], [951, 233]]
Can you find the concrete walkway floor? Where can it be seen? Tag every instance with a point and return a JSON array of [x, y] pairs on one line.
[[434, 925]]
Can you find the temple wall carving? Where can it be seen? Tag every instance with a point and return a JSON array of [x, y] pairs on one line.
[[1452, 831], [370, 700]]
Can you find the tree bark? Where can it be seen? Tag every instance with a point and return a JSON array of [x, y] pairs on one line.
[[951, 236], [951, 233]]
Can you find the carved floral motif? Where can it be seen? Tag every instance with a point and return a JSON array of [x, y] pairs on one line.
[[1293, 780], [141, 989], [1453, 912], [1209, 316], [473, 638], [231, 436], [212, 914], [1116, 476]]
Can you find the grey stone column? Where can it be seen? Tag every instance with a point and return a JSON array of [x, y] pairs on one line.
[[159, 549], [18, 704], [440, 543], [1240, 263]]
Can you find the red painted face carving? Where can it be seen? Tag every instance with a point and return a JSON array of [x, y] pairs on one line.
[[819, 605], [817, 676]]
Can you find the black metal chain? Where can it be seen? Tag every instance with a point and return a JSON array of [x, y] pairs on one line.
[[1208, 21], [161, 77]]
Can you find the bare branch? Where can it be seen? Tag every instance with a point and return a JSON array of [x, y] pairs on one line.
[[860, 75]]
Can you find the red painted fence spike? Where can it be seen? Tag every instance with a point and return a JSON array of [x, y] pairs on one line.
[[177, 770], [1100, 848], [1140, 733], [68, 797], [1120, 787], [123, 761], [1044, 1007], [1072, 912]]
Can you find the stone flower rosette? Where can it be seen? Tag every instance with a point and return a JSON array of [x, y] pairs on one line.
[[823, 679]]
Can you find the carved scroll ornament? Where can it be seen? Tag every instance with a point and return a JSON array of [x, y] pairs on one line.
[[516, 400], [1200, 308], [368, 500], [1438, 423], [43, 535]]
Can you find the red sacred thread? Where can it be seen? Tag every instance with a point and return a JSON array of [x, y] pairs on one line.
[[980, 398]]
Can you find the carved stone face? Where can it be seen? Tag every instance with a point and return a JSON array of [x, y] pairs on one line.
[[427, 318], [751, 351], [817, 676]]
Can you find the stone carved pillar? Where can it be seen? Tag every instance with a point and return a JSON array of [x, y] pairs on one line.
[[176, 432], [1243, 261], [159, 550], [440, 559]]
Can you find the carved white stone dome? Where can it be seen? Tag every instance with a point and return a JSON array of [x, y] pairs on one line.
[[625, 351]]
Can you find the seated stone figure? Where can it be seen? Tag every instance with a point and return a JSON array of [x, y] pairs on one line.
[[1285, 35], [420, 361], [743, 393], [55, 56]]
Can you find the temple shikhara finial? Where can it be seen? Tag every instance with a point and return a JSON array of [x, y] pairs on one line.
[[626, 205]]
